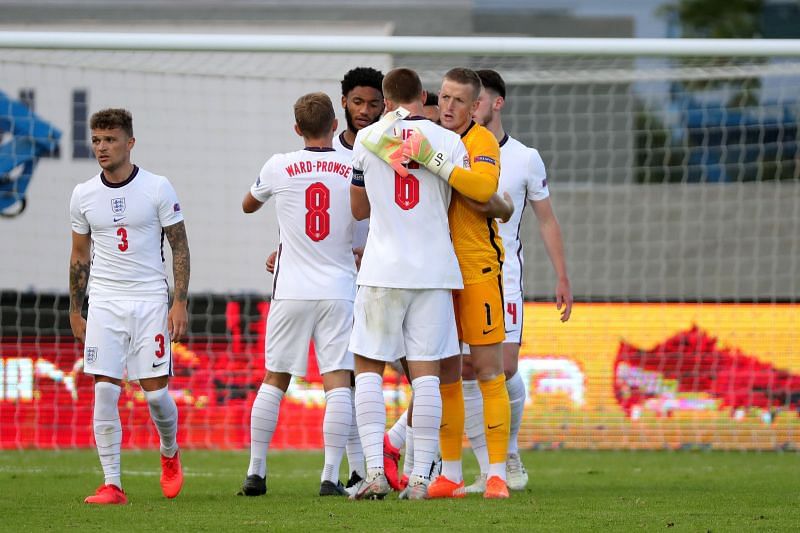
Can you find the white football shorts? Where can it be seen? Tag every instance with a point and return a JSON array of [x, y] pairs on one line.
[[418, 324], [513, 319], [292, 324], [127, 337]]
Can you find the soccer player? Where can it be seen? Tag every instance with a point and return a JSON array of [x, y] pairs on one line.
[[313, 287], [522, 175], [404, 302], [118, 221], [362, 101], [479, 305], [431, 108]]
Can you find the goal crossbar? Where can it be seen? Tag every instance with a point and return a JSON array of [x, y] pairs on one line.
[[505, 46]]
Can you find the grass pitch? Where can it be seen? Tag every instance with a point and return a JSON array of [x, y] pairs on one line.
[[568, 491]]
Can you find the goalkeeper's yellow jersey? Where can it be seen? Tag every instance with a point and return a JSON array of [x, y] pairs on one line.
[[476, 239]]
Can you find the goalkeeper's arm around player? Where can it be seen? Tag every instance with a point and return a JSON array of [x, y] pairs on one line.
[[478, 183]]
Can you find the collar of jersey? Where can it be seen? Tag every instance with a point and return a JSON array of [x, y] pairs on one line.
[[471, 124], [344, 142], [319, 149], [504, 140], [122, 183]]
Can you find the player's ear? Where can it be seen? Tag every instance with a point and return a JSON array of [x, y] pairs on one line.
[[335, 125], [499, 102], [344, 101], [475, 105], [131, 142], [297, 130]]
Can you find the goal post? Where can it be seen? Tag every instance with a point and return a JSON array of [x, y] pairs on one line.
[[674, 170]]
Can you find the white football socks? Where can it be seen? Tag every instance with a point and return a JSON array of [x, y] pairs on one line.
[[355, 453], [473, 423], [397, 433], [336, 430], [263, 420], [408, 460], [426, 418], [108, 430], [371, 416], [516, 397], [164, 413]]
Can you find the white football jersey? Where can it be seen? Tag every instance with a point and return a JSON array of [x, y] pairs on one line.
[[126, 222], [523, 176], [409, 245], [312, 199], [361, 227]]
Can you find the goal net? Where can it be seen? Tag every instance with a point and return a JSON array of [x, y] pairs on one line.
[[675, 175]]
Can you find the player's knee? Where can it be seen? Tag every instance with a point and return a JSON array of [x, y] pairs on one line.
[[488, 374], [278, 379]]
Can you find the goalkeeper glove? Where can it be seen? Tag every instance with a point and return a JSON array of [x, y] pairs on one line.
[[390, 149], [418, 148]]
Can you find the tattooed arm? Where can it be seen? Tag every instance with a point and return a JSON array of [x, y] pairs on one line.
[[79, 264], [178, 317]]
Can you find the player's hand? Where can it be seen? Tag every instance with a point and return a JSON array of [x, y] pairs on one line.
[[390, 150], [177, 321], [418, 148], [271, 262], [496, 207], [358, 253], [505, 207], [564, 298], [78, 325]]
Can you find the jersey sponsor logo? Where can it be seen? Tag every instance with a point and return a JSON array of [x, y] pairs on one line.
[[91, 354], [258, 181], [485, 159], [489, 330], [156, 365], [493, 427], [118, 205], [177, 207], [544, 182], [117, 219]]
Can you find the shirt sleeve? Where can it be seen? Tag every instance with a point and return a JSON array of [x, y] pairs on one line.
[[537, 178], [479, 181], [76, 216], [169, 209], [264, 186]]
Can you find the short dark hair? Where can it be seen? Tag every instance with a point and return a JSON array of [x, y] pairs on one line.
[[402, 86], [314, 114], [492, 81], [465, 76], [362, 77], [112, 118], [432, 99]]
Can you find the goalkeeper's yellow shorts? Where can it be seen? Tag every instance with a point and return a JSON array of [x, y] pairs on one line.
[[479, 312]]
